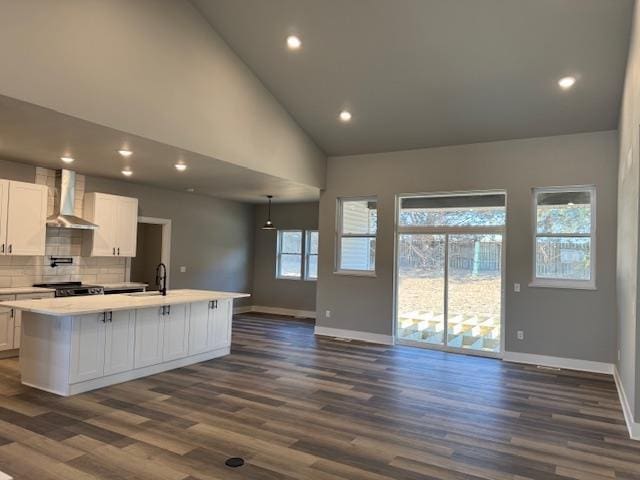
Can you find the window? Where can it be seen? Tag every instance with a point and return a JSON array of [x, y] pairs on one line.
[[311, 255], [472, 210], [289, 254], [357, 226], [564, 243]]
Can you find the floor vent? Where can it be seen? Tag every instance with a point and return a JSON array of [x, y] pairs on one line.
[[234, 462], [542, 367]]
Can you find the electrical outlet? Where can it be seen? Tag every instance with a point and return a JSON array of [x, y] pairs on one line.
[[327, 313], [183, 269], [516, 287], [520, 335]]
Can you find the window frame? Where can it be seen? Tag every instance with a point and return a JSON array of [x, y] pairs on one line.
[[307, 254], [340, 235], [279, 253], [561, 282]]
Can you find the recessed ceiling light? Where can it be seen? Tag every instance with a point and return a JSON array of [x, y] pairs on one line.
[[67, 159], [294, 42], [345, 116], [191, 190], [181, 167], [567, 82], [125, 152], [126, 172]]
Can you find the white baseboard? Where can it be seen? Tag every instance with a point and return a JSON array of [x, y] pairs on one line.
[[354, 335], [559, 362], [276, 311], [633, 427]]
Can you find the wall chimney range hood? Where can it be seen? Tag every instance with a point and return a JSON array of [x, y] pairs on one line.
[[65, 204]]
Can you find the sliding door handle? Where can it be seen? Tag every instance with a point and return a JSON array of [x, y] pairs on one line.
[[10, 248]]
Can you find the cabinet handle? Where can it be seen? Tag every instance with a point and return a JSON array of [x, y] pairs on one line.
[[118, 251], [111, 317], [10, 248], [168, 309], [162, 310], [104, 317], [114, 250], [2, 251], [210, 304], [13, 313]]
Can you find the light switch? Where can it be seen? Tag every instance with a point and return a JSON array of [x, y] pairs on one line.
[[520, 335], [183, 269], [516, 287]]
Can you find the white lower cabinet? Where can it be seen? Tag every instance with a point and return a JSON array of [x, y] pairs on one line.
[[199, 328], [111, 343], [149, 337], [119, 342], [7, 328], [210, 326], [220, 326], [176, 332], [87, 347]]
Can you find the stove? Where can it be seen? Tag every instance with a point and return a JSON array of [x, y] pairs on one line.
[[72, 289]]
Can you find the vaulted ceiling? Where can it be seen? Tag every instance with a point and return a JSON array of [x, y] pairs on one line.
[[419, 73]]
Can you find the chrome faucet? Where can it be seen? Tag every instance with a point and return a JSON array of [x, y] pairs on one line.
[[161, 279]]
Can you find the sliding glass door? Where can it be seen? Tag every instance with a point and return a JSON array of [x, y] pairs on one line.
[[449, 272]]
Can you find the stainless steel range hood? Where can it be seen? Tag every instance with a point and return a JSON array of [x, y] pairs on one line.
[[65, 204]]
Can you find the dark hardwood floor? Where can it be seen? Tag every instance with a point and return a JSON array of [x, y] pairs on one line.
[[299, 407]]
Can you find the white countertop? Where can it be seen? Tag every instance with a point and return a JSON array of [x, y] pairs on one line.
[[23, 290], [70, 306]]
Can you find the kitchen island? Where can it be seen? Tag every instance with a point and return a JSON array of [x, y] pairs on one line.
[[75, 344]]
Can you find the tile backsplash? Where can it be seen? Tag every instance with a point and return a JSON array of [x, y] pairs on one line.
[[18, 271]]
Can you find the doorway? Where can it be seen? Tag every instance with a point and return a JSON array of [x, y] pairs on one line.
[[153, 247], [449, 272]]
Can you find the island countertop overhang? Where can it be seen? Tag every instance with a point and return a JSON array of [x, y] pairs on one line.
[[84, 305]]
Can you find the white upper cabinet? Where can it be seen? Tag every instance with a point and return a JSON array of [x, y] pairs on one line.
[[4, 206], [23, 218], [127, 226], [117, 220]]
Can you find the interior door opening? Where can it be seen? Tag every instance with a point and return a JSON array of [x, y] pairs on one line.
[[449, 264]]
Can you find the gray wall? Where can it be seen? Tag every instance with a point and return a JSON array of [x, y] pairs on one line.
[[148, 254], [628, 197], [269, 291], [565, 323], [213, 238], [153, 68], [17, 171]]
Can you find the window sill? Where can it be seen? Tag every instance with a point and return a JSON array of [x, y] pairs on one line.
[[310, 279], [568, 285], [355, 273], [289, 278]]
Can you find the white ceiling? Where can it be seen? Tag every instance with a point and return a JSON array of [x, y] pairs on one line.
[[39, 136], [419, 73]]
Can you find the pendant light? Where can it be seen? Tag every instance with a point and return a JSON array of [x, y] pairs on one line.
[[268, 225]]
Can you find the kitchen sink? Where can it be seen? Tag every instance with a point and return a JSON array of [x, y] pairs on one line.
[[143, 294]]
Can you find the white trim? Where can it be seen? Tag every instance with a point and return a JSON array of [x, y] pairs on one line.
[[446, 231], [165, 254], [339, 235], [354, 335], [559, 362], [565, 282], [632, 427], [290, 312], [279, 253]]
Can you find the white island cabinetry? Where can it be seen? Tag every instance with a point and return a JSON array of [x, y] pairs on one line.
[[82, 343]]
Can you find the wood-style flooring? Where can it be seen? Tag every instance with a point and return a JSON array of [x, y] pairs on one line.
[[299, 407]]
